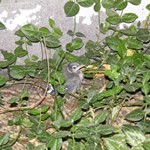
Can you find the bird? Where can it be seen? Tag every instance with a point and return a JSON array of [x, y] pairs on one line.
[[73, 76]]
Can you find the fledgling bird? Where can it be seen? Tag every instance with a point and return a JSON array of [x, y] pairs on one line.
[[73, 76]]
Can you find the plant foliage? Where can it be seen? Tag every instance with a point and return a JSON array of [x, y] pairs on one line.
[[124, 56]]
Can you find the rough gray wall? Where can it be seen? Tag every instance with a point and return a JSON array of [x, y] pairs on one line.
[[47, 9]]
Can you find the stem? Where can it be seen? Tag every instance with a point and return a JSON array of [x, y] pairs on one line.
[[41, 51], [134, 104], [27, 50], [60, 61], [146, 21], [47, 59], [99, 21], [74, 26]]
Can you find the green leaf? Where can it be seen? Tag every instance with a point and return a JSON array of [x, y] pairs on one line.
[[62, 134], [146, 145], [31, 70], [85, 3], [2, 26], [113, 42], [17, 72], [3, 80], [42, 136], [71, 9], [20, 52], [13, 100], [90, 145], [135, 115], [83, 122], [128, 32], [97, 6], [104, 129], [110, 12], [40, 147], [61, 89], [45, 116], [52, 42], [76, 115], [137, 148], [76, 44], [146, 88], [34, 112], [133, 87], [83, 60], [19, 33], [146, 77], [4, 139], [73, 145], [51, 23], [56, 114], [147, 99], [122, 51], [70, 57], [114, 19], [44, 32], [4, 64], [129, 17], [82, 133], [34, 58], [134, 44], [134, 2], [66, 123], [38, 111], [90, 95], [108, 4], [23, 94], [44, 108], [30, 146], [15, 121], [116, 142], [146, 85], [143, 35], [144, 125], [120, 4], [20, 42], [101, 117], [110, 92], [133, 134], [57, 32], [10, 57], [148, 7], [70, 33], [79, 34], [26, 123], [113, 74], [104, 27], [58, 76], [31, 32]]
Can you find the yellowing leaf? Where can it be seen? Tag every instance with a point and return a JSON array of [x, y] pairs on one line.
[[130, 52]]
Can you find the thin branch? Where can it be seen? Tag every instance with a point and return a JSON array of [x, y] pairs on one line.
[[7, 109]]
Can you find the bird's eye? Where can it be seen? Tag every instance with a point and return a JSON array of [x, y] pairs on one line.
[[74, 67]]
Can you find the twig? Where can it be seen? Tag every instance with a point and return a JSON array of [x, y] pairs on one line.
[[6, 109]]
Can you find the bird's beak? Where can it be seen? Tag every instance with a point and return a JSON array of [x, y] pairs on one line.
[[80, 67]]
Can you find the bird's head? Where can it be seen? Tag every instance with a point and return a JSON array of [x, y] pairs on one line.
[[74, 67]]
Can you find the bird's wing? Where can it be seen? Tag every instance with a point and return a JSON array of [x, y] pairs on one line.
[[72, 85]]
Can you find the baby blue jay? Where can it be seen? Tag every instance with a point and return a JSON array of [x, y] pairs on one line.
[[73, 76]]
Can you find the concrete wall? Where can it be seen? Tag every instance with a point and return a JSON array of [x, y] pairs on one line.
[[15, 13]]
